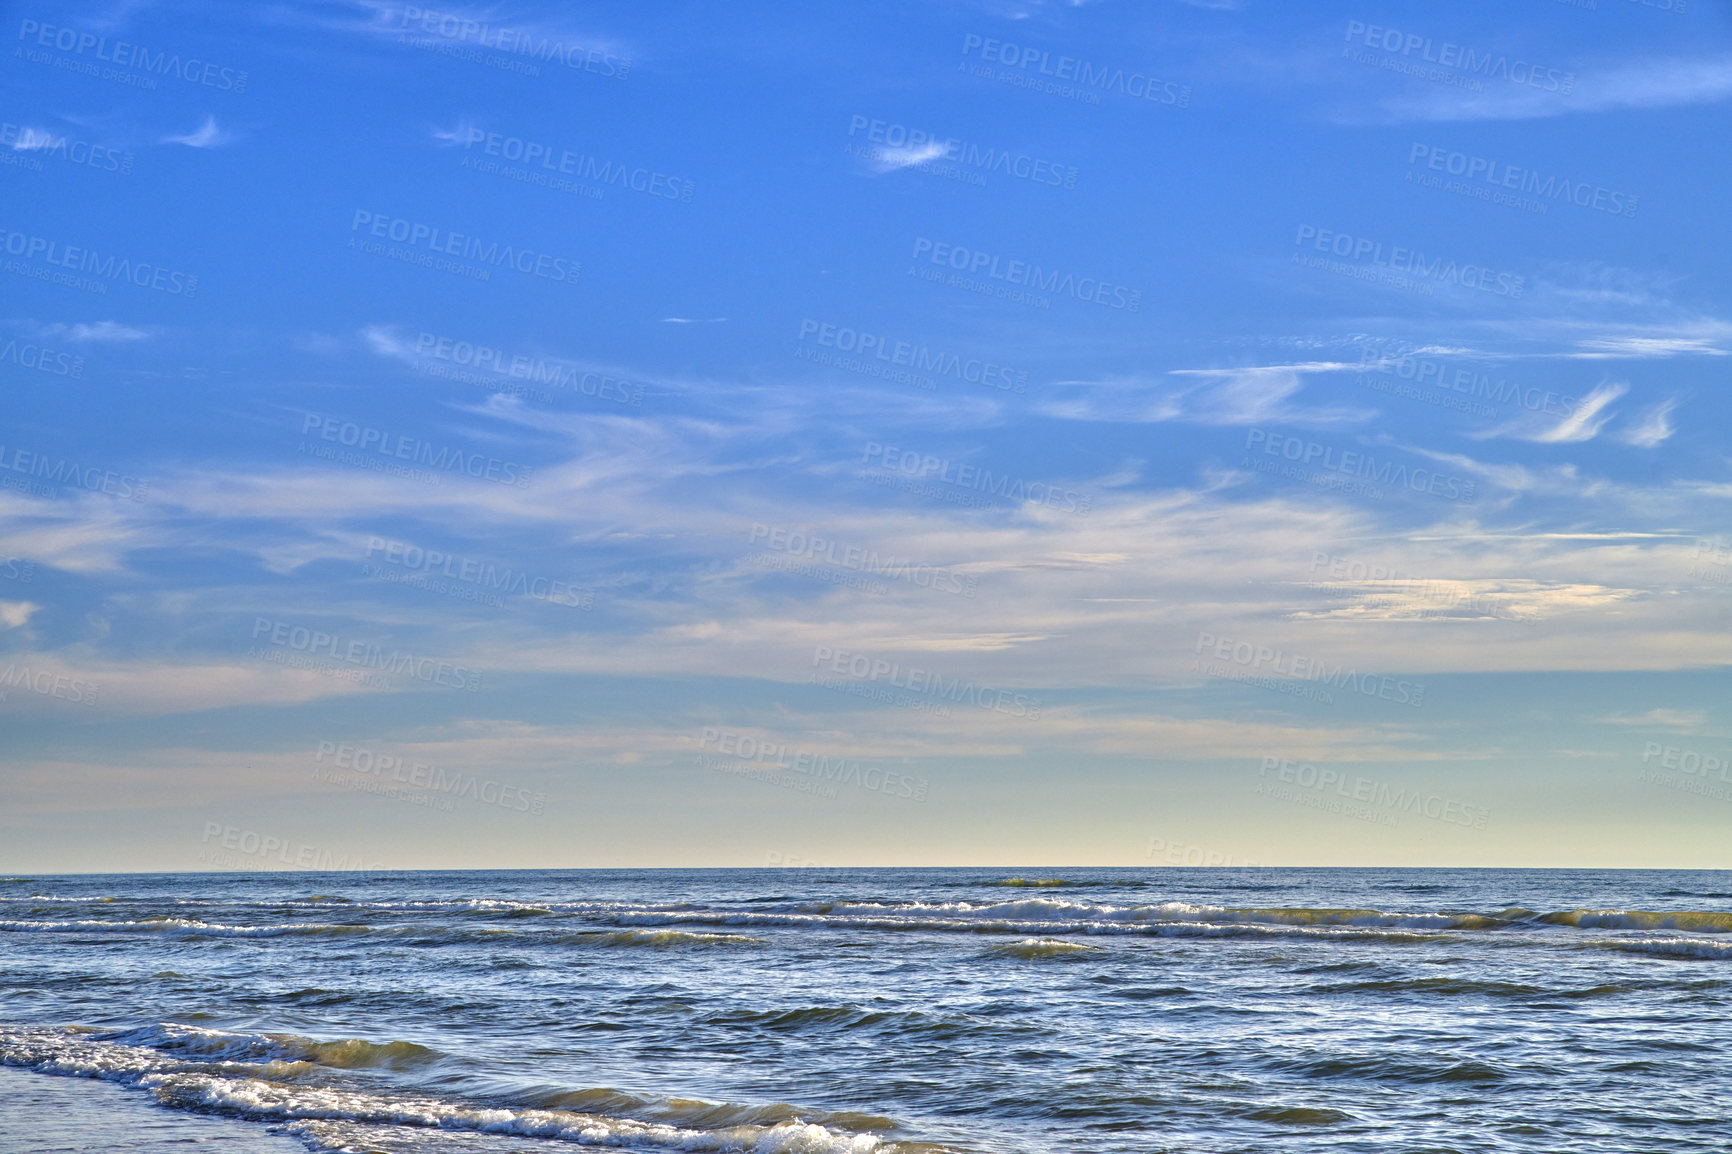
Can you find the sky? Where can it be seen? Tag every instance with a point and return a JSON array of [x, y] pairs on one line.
[[967, 433]]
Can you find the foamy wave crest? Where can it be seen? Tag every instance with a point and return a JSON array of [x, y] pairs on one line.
[[1055, 916], [255, 1098], [1671, 947], [1194, 928], [1034, 949], [667, 939], [345, 1054], [181, 927], [193, 1068], [1689, 921], [138, 1058], [1054, 909]]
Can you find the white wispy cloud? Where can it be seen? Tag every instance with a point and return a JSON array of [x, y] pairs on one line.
[[1583, 423], [1653, 82], [35, 140], [206, 135], [1678, 720], [383, 339], [1440, 600], [88, 535], [14, 614], [896, 158], [1654, 427], [1610, 348], [461, 135], [1589, 418], [98, 331], [1232, 396]]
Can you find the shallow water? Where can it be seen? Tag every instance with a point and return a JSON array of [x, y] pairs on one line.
[[840, 1010]]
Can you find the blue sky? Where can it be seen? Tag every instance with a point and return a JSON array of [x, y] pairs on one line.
[[946, 434]]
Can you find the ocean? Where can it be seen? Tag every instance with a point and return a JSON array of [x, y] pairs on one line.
[[853, 1010]]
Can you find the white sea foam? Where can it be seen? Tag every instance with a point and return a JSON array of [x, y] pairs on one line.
[[186, 927], [1670, 947], [136, 1058]]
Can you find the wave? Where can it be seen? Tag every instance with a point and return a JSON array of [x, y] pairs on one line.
[[1175, 912], [93, 900], [1443, 986], [1690, 921], [663, 939], [688, 1113], [197, 1042], [1034, 926], [1297, 1115], [181, 927], [1038, 916], [267, 1101], [1382, 1068], [157, 1059], [1034, 949], [1670, 947]]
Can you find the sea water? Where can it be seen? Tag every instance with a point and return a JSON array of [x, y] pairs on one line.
[[889, 1010]]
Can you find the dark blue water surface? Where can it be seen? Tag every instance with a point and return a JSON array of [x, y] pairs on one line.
[[888, 1009]]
